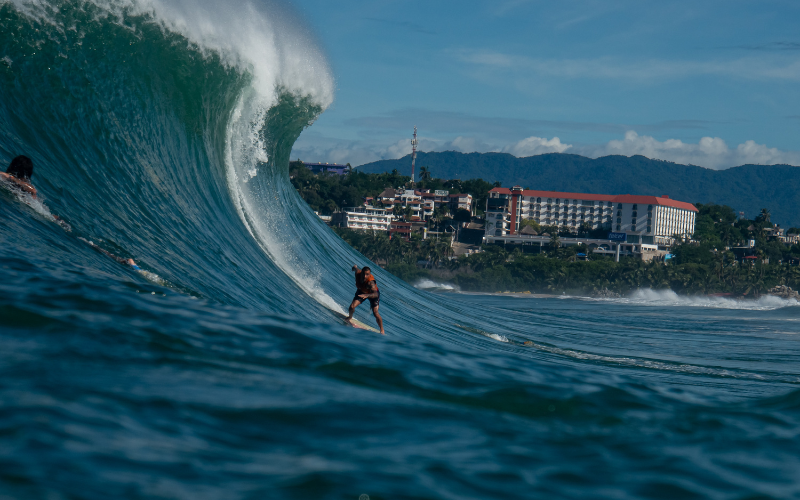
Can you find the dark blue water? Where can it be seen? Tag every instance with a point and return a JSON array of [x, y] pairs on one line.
[[222, 370]]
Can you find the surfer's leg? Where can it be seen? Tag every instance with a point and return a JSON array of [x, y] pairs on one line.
[[378, 319], [356, 302]]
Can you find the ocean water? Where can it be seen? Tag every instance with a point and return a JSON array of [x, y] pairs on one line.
[[161, 131]]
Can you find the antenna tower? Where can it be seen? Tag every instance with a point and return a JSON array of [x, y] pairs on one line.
[[413, 153]]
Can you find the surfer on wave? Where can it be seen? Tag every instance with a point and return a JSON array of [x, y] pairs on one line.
[[366, 288], [18, 178], [121, 260], [19, 173]]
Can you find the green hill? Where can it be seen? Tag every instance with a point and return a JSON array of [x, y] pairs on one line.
[[747, 188]]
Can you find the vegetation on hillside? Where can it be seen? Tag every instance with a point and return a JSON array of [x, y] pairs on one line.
[[327, 193], [702, 265], [747, 188]]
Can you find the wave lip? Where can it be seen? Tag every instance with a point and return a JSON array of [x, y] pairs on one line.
[[266, 40]]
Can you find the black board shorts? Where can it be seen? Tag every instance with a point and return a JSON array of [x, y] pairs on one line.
[[373, 303]]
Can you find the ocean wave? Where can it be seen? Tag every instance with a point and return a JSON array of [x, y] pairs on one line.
[[669, 298], [430, 285]]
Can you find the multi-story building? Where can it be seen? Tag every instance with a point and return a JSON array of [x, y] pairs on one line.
[[423, 203], [376, 219], [648, 220], [460, 202], [401, 229]]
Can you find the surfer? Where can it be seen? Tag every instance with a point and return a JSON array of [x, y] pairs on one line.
[[366, 288], [121, 260], [19, 174]]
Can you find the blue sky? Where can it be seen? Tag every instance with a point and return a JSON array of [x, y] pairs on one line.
[[712, 83]]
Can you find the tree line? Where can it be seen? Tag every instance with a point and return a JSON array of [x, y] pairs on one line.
[[328, 192]]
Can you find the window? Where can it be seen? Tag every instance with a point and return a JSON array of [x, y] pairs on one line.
[[619, 220], [635, 206], [634, 213], [538, 200], [619, 228], [619, 206], [633, 227]]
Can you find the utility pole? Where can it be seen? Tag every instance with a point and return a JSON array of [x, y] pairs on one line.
[[413, 153]]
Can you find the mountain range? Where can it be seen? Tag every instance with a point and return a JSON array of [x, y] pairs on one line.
[[747, 188]]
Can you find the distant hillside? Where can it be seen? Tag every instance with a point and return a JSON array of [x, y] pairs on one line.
[[748, 188]]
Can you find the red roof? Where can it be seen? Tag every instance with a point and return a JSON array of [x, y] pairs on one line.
[[614, 198]]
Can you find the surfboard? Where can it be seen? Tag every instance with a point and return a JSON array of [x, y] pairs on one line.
[[355, 323]]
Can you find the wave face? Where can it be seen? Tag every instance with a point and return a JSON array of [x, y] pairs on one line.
[[162, 131]]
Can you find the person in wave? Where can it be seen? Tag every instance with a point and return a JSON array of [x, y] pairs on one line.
[[121, 260], [366, 289], [19, 174], [18, 177]]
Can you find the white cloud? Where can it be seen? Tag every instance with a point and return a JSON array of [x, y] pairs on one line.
[[357, 153], [536, 146], [776, 67], [709, 152]]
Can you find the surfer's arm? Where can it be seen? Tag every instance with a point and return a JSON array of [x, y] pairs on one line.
[[22, 184]]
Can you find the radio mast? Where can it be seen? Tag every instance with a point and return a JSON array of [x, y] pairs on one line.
[[413, 153]]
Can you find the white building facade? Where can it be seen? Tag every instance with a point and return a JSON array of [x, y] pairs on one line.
[[648, 220], [423, 203], [375, 219]]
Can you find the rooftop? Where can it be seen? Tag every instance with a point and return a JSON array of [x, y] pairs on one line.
[[614, 198]]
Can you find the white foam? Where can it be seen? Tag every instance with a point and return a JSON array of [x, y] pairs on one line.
[[264, 219], [35, 203], [501, 338], [426, 284], [669, 298]]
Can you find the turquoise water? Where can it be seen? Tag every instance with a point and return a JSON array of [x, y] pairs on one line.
[[222, 371]]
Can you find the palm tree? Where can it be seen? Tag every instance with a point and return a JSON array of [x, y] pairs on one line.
[[764, 216], [555, 241], [424, 174]]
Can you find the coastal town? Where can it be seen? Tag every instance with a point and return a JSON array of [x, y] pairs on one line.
[[644, 227]]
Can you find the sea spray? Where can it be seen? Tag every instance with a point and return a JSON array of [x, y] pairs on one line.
[[432, 286], [669, 298]]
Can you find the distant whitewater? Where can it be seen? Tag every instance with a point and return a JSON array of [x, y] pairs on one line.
[[668, 298], [432, 286]]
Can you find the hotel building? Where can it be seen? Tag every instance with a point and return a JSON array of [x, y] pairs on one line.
[[376, 219], [648, 220]]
